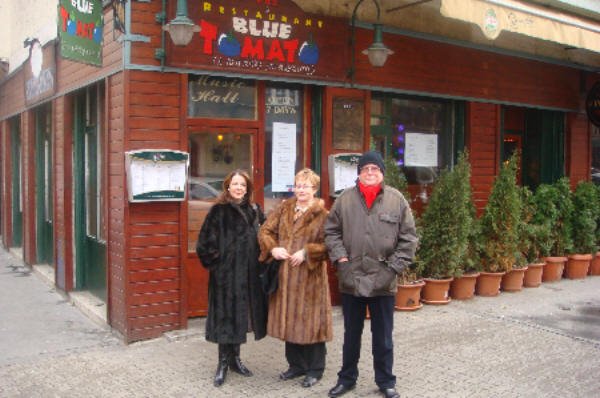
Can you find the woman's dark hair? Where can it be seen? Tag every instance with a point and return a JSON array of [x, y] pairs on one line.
[[225, 196]]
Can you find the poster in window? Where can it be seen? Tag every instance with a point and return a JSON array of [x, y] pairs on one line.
[[283, 160], [421, 150], [348, 124]]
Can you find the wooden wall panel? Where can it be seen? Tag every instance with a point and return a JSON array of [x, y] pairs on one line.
[[59, 173], [6, 187], [482, 142], [440, 68], [143, 22], [579, 156], [152, 275], [12, 95], [28, 162], [116, 200]]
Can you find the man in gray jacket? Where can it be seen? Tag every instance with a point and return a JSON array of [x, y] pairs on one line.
[[370, 234]]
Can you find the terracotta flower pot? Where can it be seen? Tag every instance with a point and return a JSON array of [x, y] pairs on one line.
[[488, 284], [408, 297], [578, 266], [533, 275], [435, 291], [512, 281], [553, 269], [463, 288], [595, 265]]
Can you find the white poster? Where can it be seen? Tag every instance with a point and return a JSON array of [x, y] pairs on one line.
[[421, 150], [283, 161]]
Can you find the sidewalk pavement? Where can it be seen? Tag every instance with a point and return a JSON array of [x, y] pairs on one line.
[[541, 342]]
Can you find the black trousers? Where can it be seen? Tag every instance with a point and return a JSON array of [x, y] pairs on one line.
[[306, 358], [381, 309]]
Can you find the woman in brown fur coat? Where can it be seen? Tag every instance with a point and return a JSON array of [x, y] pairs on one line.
[[300, 309]]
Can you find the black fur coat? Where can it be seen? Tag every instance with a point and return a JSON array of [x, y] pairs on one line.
[[227, 246]]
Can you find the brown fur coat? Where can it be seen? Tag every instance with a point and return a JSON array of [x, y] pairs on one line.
[[300, 309]]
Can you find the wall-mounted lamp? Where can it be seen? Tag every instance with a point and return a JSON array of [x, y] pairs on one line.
[[377, 51], [181, 29]]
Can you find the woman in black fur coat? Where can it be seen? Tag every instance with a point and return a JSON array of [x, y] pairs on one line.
[[227, 246]]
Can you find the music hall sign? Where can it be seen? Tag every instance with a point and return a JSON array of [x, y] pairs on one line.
[[263, 37]]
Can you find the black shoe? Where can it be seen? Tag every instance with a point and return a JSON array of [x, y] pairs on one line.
[[309, 381], [390, 393], [237, 366], [221, 373], [291, 374], [340, 389]]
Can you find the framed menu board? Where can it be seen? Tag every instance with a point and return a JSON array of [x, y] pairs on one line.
[[348, 124], [156, 175]]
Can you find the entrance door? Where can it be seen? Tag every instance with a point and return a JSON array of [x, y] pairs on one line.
[[17, 183], [90, 249], [213, 154], [44, 230], [543, 147]]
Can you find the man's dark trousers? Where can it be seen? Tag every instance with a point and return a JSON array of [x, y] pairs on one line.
[[381, 309]]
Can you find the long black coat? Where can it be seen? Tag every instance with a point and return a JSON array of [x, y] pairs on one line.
[[227, 246]]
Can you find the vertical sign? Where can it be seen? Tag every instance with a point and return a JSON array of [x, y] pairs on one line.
[[284, 156], [80, 27]]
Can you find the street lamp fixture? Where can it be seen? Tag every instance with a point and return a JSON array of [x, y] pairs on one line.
[[181, 29], [377, 51]]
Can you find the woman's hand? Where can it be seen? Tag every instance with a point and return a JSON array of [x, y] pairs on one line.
[[280, 253], [297, 258]]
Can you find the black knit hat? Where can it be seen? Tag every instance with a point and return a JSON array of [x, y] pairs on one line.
[[371, 157]]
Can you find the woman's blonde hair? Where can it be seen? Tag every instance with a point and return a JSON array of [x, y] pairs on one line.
[[307, 174]]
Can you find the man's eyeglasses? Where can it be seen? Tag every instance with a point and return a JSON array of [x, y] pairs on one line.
[[370, 169]]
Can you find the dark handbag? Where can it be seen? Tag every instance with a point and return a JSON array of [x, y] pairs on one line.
[[269, 276]]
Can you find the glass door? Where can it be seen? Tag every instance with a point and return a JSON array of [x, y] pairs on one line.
[[44, 230], [90, 256], [213, 154], [17, 183]]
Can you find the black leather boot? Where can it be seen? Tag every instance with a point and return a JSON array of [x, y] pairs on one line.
[[235, 363], [222, 366]]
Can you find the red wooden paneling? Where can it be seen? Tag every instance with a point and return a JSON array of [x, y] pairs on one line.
[[116, 199], [153, 277], [578, 148], [440, 68], [482, 142]]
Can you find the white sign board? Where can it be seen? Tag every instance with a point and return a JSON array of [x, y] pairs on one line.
[[342, 171], [421, 150], [156, 175], [283, 161]]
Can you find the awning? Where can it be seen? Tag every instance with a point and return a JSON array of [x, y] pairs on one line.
[[494, 16]]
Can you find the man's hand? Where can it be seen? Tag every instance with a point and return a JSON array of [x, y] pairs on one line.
[[342, 260]]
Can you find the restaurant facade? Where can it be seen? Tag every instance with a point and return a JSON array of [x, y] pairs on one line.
[[115, 141]]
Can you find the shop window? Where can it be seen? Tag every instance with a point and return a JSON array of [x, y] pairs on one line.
[[416, 133], [94, 149], [221, 98], [284, 141], [213, 155], [596, 155]]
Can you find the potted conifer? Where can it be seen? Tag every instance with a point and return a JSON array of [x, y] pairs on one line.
[[583, 221], [595, 265], [535, 239], [500, 229], [554, 203], [444, 232], [408, 296]]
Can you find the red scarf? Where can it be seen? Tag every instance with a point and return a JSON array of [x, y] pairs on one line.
[[369, 192]]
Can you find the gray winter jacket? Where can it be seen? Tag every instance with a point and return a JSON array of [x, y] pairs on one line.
[[378, 242]]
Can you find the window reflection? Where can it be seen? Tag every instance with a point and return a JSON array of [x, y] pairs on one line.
[[212, 157]]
